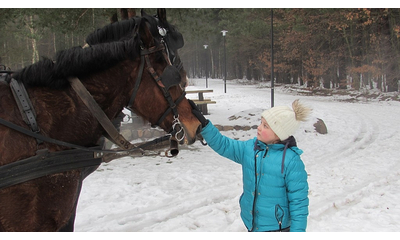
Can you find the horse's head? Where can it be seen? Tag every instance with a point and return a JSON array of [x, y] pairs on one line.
[[161, 29], [159, 94], [159, 88]]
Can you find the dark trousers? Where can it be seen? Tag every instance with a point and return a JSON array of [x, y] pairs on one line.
[[282, 230], [279, 230]]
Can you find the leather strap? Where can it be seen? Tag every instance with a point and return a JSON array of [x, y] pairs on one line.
[[137, 83], [46, 163], [98, 152], [25, 105], [171, 108], [46, 139], [105, 122]]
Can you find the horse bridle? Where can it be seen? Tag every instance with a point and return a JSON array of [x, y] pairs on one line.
[[144, 58]]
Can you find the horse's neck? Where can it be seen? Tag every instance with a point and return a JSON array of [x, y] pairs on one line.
[[110, 88]]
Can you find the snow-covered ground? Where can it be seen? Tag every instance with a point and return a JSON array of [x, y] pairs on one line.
[[354, 171]]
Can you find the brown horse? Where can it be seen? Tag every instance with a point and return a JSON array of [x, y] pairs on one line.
[[109, 72]]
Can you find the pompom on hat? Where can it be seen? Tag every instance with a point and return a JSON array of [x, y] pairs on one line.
[[285, 121]]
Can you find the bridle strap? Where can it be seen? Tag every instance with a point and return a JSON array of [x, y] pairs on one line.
[[172, 107], [145, 58], [151, 70], [147, 51], [144, 52], [137, 83]]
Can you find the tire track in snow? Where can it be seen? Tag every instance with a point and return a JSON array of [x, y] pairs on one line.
[[355, 174], [365, 133], [347, 206], [170, 196], [169, 210]]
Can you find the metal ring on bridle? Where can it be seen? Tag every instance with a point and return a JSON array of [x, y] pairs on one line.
[[175, 123]]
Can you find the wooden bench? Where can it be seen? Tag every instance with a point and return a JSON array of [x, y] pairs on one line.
[[201, 102]]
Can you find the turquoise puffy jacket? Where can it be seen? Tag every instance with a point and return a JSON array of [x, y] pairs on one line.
[[275, 188]]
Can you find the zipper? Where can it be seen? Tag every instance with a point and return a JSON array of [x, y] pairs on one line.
[[279, 213], [255, 189], [262, 161], [256, 182], [266, 151]]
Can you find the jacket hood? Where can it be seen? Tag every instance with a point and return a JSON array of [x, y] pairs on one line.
[[288, 143]]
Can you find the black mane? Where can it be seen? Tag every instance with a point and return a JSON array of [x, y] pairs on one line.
[[112, 32], [125, 28], [77, 62], [109, 45], [121, 30]]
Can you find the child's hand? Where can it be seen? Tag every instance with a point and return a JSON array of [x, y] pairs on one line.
[[196, 111]]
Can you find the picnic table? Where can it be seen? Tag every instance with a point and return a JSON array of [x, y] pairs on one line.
[[201, 102]]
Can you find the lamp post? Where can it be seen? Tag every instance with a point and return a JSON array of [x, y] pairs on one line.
[[272, 58], [205, 48], [224, 34]]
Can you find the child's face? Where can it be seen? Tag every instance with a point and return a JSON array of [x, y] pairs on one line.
[[265, 133]]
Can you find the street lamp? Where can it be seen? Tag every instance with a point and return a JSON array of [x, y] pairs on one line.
[[224, 34], [272, 58], [205, 48]]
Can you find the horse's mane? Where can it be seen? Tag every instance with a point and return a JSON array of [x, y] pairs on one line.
[[112, 32], [78, 62], [123, 29], [108, 46]]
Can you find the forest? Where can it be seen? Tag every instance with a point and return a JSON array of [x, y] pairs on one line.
[[331, 48]]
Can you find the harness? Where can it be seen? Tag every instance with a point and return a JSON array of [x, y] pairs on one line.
[[46, 163], [25, 105]]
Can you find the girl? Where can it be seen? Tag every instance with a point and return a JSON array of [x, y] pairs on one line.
[[275, 188]]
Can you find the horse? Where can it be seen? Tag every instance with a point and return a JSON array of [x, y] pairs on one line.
[[112, 72]]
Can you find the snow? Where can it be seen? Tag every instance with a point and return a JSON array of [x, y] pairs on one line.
[[354, 170]]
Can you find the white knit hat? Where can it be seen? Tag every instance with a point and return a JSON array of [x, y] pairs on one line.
[[285, 121]]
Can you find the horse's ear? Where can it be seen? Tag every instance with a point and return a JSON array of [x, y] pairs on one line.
[[162, 16], [145, 34], [142, 12]]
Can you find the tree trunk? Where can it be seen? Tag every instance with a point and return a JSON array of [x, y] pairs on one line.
[[212, 63], [35, 53]]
